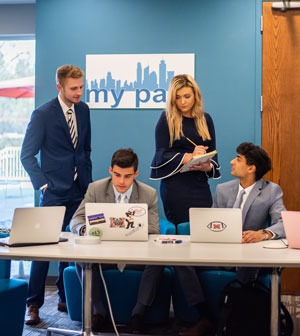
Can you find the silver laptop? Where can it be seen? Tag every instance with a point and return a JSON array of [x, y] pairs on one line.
[[117, 221], [35, 226], [216, 225]]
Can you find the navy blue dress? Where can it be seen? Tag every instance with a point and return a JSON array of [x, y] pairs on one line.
[[181, 191]]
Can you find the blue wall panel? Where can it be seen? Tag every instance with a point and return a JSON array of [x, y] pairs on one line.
[[224, 35]]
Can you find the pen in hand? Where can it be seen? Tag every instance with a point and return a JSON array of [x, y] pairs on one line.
[[192, 142], [199, 146]]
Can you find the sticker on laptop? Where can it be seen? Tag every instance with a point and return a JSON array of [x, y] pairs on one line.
[[217, 226], [96, 219], [95, 231], [117, 222], [138, 211]]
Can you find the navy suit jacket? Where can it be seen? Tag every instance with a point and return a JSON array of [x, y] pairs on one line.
[[262, 208], [48, 135]]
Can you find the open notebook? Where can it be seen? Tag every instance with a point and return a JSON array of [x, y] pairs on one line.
[[216, 225], [35, 226], [117, 221]]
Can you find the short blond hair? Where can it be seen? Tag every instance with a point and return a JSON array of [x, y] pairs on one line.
[[68, 71]]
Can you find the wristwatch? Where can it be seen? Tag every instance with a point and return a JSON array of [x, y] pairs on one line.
[[266, 233]]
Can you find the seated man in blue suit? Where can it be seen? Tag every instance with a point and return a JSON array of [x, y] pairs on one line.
[[122, 183], [60, 132]]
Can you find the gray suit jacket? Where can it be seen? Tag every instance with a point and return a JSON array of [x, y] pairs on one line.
[[101, 191], [262, 208]]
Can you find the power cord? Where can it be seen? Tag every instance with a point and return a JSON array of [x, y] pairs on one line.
[[108, 301]]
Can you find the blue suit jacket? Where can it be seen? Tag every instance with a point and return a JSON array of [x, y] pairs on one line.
[[48, 135], [262, 208]]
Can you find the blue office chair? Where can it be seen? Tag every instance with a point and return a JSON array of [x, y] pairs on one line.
[[13, 294], [123, 289]]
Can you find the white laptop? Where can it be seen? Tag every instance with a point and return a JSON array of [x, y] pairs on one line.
[[117, 221], [216, 225], [35, 226]]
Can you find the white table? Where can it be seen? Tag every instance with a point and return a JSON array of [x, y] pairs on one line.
[[150, 252]]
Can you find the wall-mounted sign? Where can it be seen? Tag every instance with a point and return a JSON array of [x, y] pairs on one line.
[[133, 81]]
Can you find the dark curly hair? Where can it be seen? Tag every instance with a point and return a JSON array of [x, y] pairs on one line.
[[255, 156]]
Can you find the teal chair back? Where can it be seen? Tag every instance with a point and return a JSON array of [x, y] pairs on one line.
[[183, 228], [4, 264], [5, 269], [13, 294], [4, 234], [166, 227]]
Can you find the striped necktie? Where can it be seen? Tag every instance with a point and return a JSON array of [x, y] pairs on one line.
[[73, 135], [72, 128]]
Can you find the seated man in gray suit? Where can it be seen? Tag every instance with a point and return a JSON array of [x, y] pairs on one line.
[[121, 183], [261, 200], [261, 213]]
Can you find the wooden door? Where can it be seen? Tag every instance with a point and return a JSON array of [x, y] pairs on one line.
[[281, 110]]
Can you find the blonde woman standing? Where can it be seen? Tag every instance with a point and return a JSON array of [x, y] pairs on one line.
[[184, 130]]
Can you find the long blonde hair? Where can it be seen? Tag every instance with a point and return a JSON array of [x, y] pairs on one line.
[[174, 116]]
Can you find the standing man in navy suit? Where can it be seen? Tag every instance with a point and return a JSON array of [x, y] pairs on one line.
[[60, 132]]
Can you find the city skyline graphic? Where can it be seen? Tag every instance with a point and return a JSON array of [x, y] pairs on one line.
[[145, 79]]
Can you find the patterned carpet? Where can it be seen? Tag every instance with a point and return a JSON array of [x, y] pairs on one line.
[[51, 317]]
